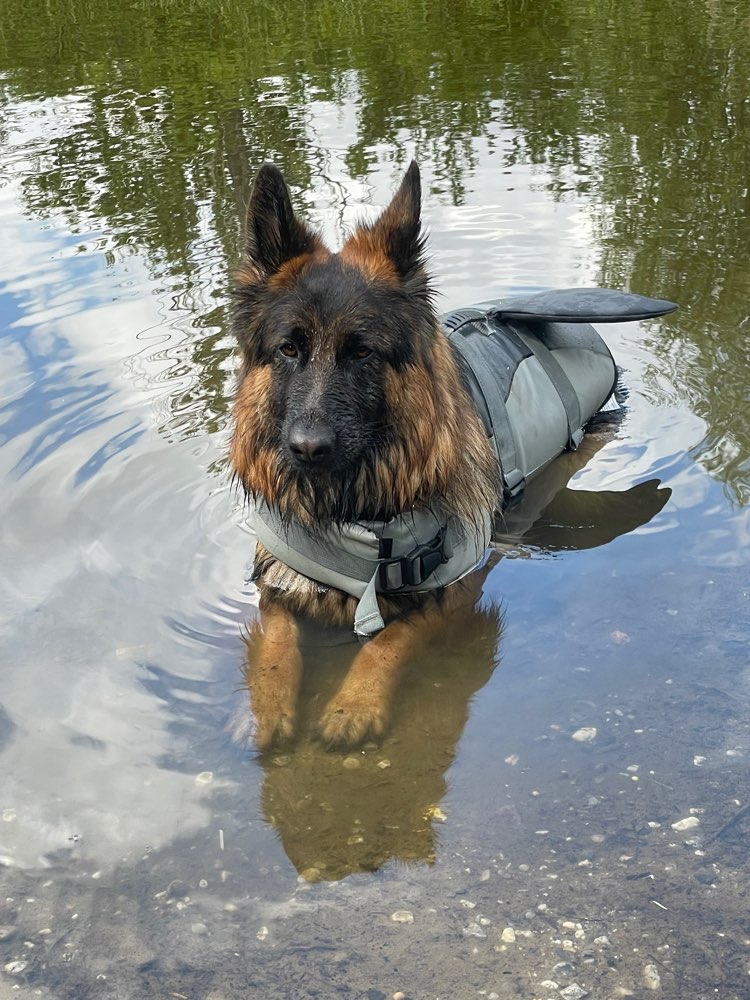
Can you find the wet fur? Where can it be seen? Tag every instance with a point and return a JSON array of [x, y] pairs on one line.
[[406, 432]]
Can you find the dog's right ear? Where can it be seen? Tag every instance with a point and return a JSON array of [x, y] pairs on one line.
[[274, 234]]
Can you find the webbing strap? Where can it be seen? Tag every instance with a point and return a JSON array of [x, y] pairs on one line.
[[562, 384], [513, 479]]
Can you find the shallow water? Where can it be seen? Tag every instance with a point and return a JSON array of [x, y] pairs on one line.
[[146, 854]]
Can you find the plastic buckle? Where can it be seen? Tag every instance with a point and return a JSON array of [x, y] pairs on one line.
[[575, 439], [513, 486], [415, 567]]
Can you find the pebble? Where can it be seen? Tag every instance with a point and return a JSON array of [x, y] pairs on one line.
[[474, 930], [15, 968], [467, 904], [6, 932], [585, 735], [199, 928], [574, 992], [689, 823], [651, 977], [350, 763], [262, 934], [204, 778], [402, 917], [564, 969], [508, 935], [398, 995], [177, 889]]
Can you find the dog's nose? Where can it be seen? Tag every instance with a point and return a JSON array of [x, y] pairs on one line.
[[311, 443]]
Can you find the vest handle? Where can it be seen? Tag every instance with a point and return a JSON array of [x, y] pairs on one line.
[[582, 305]]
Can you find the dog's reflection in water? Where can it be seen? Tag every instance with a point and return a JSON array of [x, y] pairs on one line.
[[338, 813]]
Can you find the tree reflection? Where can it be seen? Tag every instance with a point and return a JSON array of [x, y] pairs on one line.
[[174, 111]]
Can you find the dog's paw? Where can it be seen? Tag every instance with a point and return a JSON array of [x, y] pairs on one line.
[[273, 729], [261, 731], [347, 725]]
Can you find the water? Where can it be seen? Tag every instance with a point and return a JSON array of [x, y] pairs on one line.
[[147, 854]]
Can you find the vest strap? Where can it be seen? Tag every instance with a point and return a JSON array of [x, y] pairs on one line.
[[561, 383], [501, 431], [431, 551]]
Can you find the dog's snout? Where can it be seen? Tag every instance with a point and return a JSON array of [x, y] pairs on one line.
[[311, 443]]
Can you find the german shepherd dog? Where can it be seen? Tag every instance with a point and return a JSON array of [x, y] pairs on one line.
[[351, 406]]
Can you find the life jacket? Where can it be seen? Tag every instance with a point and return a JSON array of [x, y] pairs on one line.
[[537, 371]]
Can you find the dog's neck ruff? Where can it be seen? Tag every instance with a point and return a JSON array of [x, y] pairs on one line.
[[415, 552]]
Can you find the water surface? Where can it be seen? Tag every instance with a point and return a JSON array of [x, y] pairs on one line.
[[144, 852]]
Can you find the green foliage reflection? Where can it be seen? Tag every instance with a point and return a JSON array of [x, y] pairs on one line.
[[175, 105]]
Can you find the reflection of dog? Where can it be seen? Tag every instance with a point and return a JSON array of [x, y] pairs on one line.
[[336, 817], [350, 408]]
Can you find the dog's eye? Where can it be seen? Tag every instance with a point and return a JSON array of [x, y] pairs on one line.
[[361, 352], [289, 350]]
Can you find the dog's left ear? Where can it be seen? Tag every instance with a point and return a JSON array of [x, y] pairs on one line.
[[397, 231]]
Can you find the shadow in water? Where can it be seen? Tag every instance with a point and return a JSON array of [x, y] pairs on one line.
[[339, 814]]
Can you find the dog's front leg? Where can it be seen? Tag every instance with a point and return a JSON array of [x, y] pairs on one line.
[[273, 673], [361, 706]]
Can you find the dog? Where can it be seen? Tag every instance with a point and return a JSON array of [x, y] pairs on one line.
[[350, 407], [353, 408]]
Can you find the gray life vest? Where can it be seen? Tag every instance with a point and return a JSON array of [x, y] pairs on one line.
[[537, 371]]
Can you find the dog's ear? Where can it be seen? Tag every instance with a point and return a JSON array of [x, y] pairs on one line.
[[274, 234], [397, 231]]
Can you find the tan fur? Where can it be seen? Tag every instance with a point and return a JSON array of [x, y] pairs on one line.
[[443, 449], [289, 272], [362, 251], [253, 465]]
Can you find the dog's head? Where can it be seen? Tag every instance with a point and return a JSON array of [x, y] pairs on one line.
[[345, 406]]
